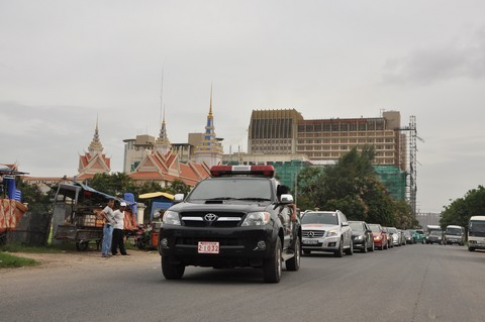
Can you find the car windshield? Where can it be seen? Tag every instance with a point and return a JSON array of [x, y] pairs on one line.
[[356, 226], [375, 228], [436, 233], [420, 232], [320, 218], [252, 189]]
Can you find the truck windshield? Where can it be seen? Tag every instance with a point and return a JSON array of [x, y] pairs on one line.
[[236, 189], [454, 231]]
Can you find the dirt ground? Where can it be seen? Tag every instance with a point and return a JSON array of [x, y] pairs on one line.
[[82, 260]]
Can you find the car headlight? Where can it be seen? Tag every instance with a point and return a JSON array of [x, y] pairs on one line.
[[256, 219], [171, 218], [332, 233]]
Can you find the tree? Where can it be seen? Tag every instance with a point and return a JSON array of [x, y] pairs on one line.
[[461, 209], [178, 186], [115, 184], [309, 183], [38, 202], [351, 186]]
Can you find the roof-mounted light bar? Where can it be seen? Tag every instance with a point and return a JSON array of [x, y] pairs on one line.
[[257, 170]]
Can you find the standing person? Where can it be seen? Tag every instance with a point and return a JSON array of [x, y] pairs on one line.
[[108, 216], [118, 241]]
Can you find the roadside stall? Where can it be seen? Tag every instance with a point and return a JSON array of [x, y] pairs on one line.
[[147, 235], [76, 215], [11, 207]]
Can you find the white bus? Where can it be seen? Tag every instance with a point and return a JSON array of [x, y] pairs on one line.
[[476, 233]]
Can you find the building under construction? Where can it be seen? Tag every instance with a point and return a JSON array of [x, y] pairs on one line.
[[274, 134]]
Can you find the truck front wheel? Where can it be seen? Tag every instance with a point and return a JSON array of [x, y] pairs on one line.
[[293, 264], [272, 266], [172, 271]]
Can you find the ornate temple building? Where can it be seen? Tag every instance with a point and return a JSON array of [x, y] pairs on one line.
[[94, 161], [160, 163]]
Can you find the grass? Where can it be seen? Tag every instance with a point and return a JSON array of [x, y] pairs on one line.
[[50, 249], [8, 260]]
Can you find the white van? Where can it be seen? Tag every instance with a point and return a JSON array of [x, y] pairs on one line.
[[455, 235], [476, 233]]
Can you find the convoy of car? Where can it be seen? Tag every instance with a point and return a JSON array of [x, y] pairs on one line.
[[243, 217]]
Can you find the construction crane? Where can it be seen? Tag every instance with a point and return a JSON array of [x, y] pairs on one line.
[[412, 176]]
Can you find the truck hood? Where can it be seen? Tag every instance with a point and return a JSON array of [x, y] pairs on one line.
[[235, 207]]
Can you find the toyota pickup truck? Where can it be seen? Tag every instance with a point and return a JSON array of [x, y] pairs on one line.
[[237, 218]]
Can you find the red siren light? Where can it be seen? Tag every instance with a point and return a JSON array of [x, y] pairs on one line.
[[225, 170]]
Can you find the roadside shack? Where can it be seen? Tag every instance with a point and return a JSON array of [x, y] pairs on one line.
[[76, 215], [11, 207]]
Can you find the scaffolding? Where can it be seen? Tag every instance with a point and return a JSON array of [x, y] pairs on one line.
[[394, 179]]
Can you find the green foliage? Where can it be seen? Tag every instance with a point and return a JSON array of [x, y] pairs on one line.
[[57, 248], [8, 260], [38, 202], [352, 186], [461, 209], [113, 184], [351, 205], [309, 184], [178, 186], [147, 187]]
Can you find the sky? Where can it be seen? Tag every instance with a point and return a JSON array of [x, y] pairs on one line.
[[67, 65]]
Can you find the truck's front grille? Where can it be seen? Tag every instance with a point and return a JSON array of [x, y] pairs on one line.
[[212, 219]]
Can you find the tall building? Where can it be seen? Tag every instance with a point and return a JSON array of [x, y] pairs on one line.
[[285, 131], [94, 161], [273, 131], [135, 150], [209, 151]]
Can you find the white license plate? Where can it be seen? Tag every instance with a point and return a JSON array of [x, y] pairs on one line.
[[208, 247], [310, 242]]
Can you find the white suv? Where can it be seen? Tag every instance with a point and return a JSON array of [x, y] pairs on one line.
[[326, 231]]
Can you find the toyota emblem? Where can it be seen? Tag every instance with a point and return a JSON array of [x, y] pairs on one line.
[[210, 217]]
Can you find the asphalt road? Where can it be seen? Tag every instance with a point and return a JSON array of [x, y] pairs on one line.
[[409, 283]]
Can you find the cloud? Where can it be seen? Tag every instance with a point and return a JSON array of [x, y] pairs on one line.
[[458, 59]]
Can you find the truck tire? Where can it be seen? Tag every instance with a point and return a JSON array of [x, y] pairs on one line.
[[293, 264], [172, 271], [272, 267]]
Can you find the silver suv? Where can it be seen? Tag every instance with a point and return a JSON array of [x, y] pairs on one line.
[[326, 231]]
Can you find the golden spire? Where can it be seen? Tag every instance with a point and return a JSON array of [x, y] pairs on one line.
[[210, 110]]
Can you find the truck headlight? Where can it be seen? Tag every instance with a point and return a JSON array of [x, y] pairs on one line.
[[256, 219], [171, 218]]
